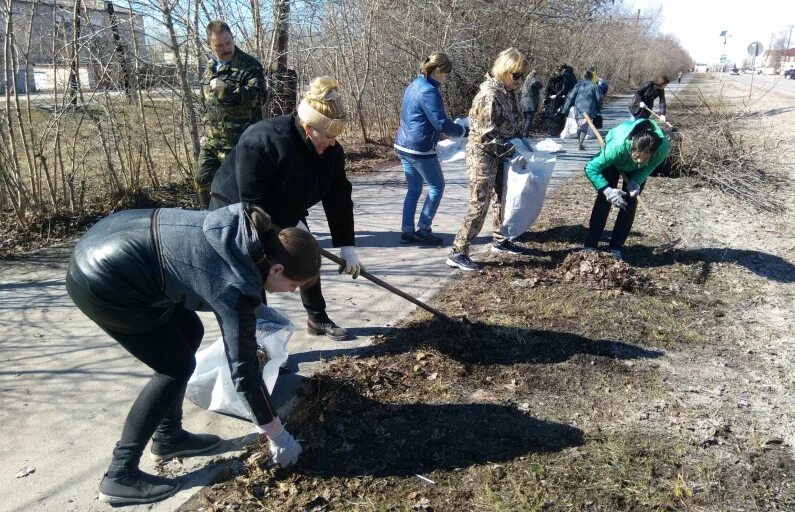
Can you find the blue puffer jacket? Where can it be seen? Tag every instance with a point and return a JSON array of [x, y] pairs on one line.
[[423, 118], [587, 97]]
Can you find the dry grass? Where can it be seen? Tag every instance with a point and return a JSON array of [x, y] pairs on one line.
[[563, 395]]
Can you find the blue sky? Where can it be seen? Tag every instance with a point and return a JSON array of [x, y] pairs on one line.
[[698, 23]]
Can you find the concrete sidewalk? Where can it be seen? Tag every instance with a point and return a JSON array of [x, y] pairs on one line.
[[65, 387]]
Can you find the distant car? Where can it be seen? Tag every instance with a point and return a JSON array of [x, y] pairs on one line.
[[735, 71], [789, 74]]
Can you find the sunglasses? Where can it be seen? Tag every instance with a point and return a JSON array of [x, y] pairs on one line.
[[517, 76]]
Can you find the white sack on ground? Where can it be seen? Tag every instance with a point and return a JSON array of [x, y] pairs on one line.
[[211, 387], [524, 187], [548, 145], [570, 128]]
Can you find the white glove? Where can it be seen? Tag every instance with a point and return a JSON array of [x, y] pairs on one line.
[[302, 226], [633, 189], [284, 448], [662, 118], [217, 85], [553, 96], [352, 265], [642, 105], [616, 197]]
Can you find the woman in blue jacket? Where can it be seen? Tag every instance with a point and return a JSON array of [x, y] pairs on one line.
[[141, 275], [422, 121]]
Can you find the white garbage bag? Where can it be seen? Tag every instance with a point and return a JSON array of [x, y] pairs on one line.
[[548, 145], [570, 128], [524, 187], [211, 387], [452, 148]]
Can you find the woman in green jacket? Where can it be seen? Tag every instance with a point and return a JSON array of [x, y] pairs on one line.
[[634, 148]]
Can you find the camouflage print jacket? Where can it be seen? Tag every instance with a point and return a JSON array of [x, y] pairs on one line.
[[494, 118], [230, 112]]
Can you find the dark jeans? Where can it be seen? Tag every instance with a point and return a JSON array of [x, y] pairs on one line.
[[528, 122], [601, 209], [170, 351]]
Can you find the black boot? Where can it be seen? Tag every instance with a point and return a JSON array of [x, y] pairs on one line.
[[135, 486], [184, 446], [581, 138], [325, 327]]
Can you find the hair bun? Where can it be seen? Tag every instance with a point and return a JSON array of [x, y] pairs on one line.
[[323, 88]]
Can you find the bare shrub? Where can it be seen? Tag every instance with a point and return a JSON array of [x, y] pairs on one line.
[[718, 144]]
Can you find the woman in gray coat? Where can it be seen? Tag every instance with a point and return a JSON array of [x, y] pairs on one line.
[[531, 92], [586, 97]]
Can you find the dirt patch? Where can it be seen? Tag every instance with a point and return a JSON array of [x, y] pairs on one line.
[[364, 158]]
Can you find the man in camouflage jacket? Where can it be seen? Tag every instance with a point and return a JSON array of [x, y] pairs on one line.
[[233, 89]]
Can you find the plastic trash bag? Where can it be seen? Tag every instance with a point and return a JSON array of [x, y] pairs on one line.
[[570, 128], [548, 146], [524, 187], [452, 148], [210, 387]]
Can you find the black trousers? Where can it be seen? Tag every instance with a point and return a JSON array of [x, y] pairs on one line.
[[528, 122], [314, 303], [169, 350], [601, 209]]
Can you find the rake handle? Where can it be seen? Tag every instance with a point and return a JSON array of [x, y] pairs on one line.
[[387, 286]]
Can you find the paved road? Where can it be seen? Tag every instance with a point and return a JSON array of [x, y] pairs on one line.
[[65, 387]]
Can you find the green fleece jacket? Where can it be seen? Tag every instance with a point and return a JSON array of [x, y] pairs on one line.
[[617, 153]]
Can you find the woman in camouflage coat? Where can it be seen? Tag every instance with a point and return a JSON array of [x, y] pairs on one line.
[[494, 118]]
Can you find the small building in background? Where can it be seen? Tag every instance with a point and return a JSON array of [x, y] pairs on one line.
[[777, 60], [43, 33]]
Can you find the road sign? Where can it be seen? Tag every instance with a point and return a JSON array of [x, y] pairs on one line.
[[755, 49], [723, 59]]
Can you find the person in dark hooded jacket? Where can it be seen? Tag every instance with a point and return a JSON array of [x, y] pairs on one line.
[[642, 103], [557, 89], [141, 275], [586, 98]]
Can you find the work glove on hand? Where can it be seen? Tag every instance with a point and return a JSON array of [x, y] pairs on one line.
[[616, 197], [633, 189], [217, 85], [352, 265], [662, 118], [642, 105], [284, 448], [302, 226], [553, 96]]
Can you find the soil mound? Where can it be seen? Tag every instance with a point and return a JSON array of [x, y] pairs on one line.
[[602, 271]]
